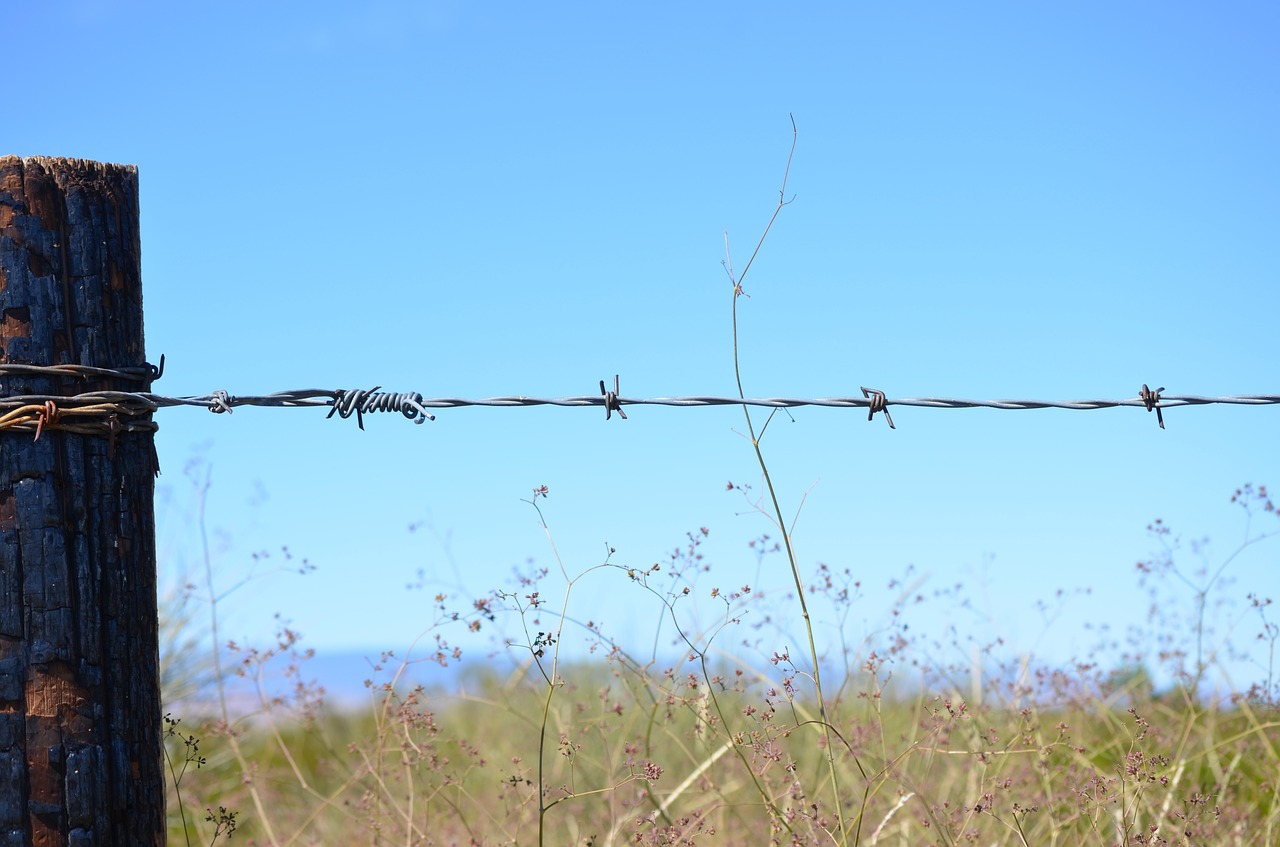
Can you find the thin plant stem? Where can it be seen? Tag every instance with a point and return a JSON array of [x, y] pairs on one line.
[[177, 788], [254, 794], [773, 496]]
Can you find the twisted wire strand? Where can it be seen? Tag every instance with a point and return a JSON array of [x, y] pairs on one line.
[[327, 398], [109, 412], [147, 373], [413, 405], [1168, 401]]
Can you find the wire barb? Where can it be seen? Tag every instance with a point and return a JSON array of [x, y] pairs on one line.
[[1151, 399], [611, 402], [877, 403]]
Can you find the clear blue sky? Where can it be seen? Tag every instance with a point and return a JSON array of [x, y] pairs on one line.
[[992, 200]]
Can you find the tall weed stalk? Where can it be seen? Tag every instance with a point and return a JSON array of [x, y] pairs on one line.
[[829, 733]]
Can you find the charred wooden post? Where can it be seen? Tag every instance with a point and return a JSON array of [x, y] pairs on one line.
[[80, 730]]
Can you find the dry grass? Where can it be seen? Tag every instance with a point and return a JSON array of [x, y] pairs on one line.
[[716, 748]]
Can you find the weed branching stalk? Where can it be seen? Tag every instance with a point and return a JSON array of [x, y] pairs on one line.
[[733, 742], [1255, 502], [736, 279], [191, 756], [224, 821], [214, 597], [538, 645]]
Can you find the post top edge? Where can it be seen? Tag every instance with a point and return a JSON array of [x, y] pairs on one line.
[[49, 162]]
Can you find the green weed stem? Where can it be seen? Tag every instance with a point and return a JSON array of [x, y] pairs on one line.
[[773, 496]]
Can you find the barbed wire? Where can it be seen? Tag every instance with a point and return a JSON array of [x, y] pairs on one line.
[[112, 412]]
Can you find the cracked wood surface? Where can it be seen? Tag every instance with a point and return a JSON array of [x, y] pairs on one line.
[[80, 734]]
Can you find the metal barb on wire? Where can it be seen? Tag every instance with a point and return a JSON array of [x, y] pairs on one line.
[[611, 403], [876, 403], [1152, 401]]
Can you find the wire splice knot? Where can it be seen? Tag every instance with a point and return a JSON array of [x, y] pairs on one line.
[[1151, 399], [877, 404], [611, 402], [220, 401], [357, 401]]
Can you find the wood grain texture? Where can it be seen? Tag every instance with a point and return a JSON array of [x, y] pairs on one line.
[[80, 734]]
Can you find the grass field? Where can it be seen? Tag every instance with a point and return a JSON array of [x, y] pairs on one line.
[[660, 759], [710, 748]]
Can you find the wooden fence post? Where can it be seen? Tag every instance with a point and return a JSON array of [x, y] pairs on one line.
[[80, 734]]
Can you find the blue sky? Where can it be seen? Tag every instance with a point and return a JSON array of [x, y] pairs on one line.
[[994, 200]]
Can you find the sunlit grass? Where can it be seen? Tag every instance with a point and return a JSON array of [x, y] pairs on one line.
[[639, 756]]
